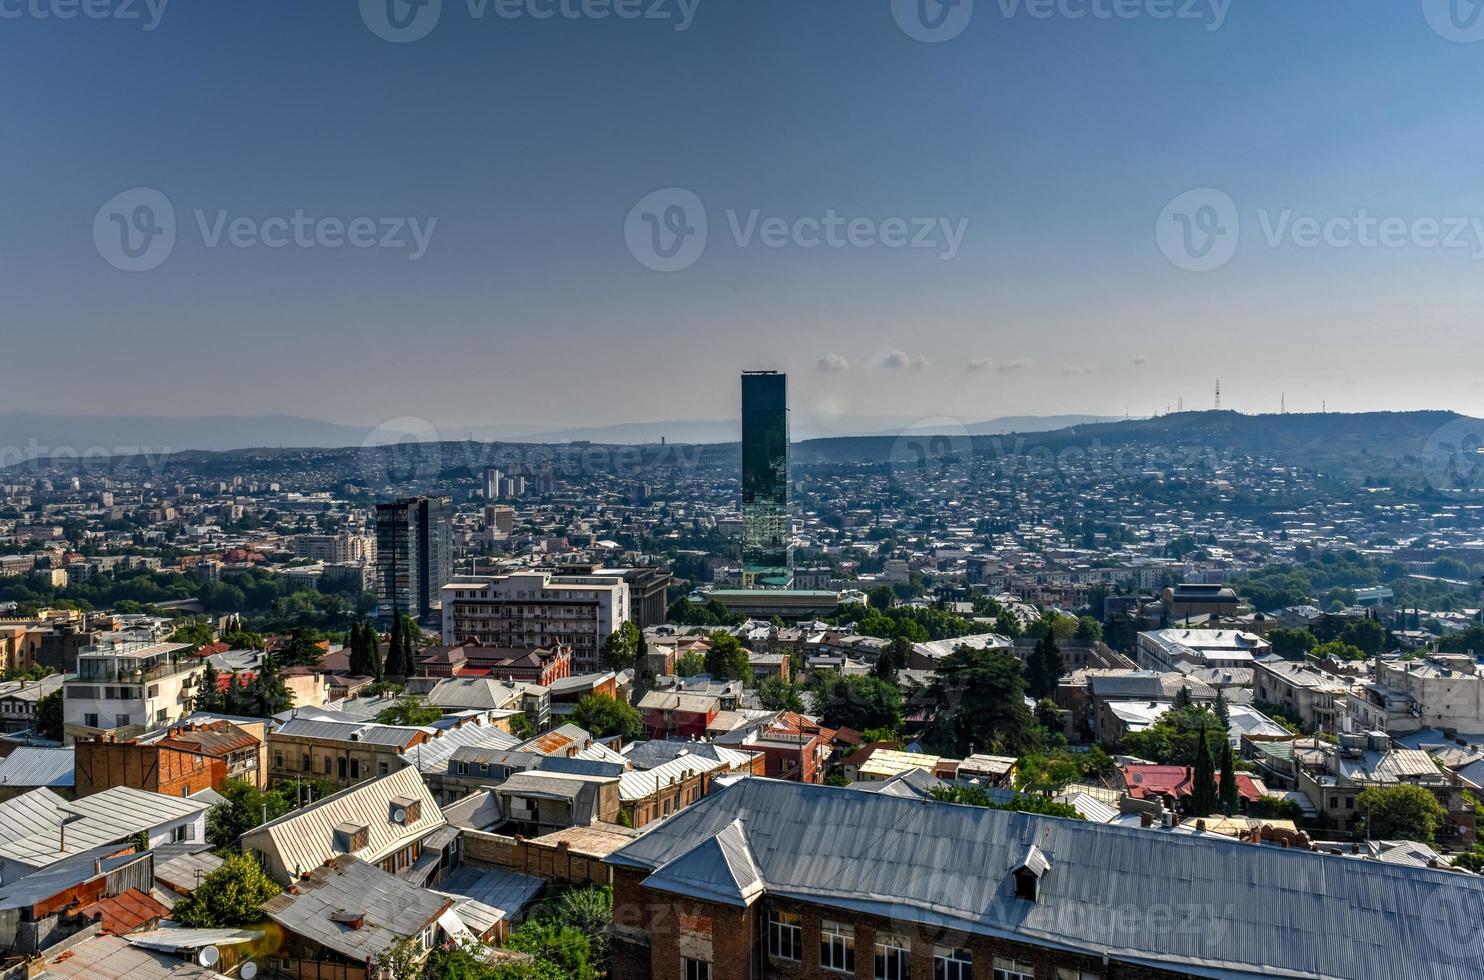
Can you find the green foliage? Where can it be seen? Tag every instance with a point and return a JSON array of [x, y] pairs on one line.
[[683, 612], [620, 647], [232, 895], [410, 709], [974, 796], [604, 716], [690, 664], [243, 811], [1175, 739], [912, 623], [979, 697], [1089, 631], [777, 694], [726, 658], [196, 632], [1049, 771], [521, 727], [1292, 643], [49, 716], [563, 946], [1339, 650], [302, 648], [406, 642], [1044, 668], [1274, 808], [1366, 635], [1402, 812], [589, 910], [857, 702]]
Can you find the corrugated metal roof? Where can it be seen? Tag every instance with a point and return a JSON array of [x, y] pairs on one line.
[[505, 891], [638, 785], [340, 731], [433, 755], [391, 909], [56, 828], [306, 838], [113, 958], [1223, 907]]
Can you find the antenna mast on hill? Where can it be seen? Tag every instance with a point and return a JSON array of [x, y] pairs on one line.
[[1218, 394], [1283, 403]]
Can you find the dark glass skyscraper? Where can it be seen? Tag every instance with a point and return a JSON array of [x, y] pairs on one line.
[[414, 556], [767, 531]]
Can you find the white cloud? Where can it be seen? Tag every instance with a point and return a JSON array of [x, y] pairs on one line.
[[833, 362], [1076, 369], [1140, 361], [898, 360], [979, 364], [1004, 367]]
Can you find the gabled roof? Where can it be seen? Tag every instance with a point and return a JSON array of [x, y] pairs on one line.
[[1233, 909], [52, 828], [306, 838], [720, 868], [32, 765]]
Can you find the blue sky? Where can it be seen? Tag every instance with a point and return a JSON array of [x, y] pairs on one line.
[[521, 146]]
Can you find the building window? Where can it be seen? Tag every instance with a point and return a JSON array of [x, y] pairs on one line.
[[695, 969], [837, 946], [1008, 969], [785, 933], [383, 769], [952, 964], [463, 768], [1067, 973], [278, 760], [893, 957]]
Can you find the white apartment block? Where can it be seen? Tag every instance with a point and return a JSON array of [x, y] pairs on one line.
[[123, 689], [1442, 691], [1163, 649], [336, 549], [537, 609]]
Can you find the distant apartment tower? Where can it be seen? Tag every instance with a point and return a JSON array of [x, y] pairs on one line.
[[767, 531], [414, 556], [499, 520], [530, 610], [341, 548]]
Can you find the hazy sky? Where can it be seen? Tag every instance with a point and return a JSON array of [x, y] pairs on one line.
[[1032, 157]]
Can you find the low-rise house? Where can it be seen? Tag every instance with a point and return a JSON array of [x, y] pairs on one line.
[[344, 918], [18, 700], [658, 791], [1333, 776], [340, 752], [181, 760], [1301, 688], [454, 694], [40, 910], [385, 821], [38, 829], [31, 767], [1173, 786], [793, 746]]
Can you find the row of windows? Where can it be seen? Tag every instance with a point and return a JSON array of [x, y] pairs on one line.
[[892, 954], [347, 768]]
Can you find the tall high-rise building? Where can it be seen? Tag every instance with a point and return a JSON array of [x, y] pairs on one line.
[[414, 556], [767, 530]]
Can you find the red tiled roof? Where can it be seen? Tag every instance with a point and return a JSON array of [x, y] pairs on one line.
[[126, 912], [1144, 782]]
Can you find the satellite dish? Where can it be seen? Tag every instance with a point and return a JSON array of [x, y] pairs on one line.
[[209, 956], [399, 815], [249, 970]]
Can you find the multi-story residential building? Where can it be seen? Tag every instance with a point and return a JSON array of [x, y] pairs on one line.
[[340, 549], [767, 879], [1314, 696], [1333, 777], [18, 700], [539, 666], [179, 761], [414, 555], [1443, 691], [123, 689], [529, 610]]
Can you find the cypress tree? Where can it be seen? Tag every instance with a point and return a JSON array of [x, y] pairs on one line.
[[1228, 785], [1203, 797]]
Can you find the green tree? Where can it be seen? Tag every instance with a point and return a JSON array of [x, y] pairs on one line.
[[1044, 668], [777, 694], [1204, 797], [1089, 631], [302, 649], [232, 895], [894, 658], [1366, 635], [1228, 784], [410, 709], [561, 945], [1292, 643], [196, 632], [857, 702], [589, 910], [978, 696], [268, 693], [209, 696], [882, 597], [1403, 812], [621, 647], [49, 716], [644, 676], [604, 716], [975, 796], [243, 810], [726, 658]]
